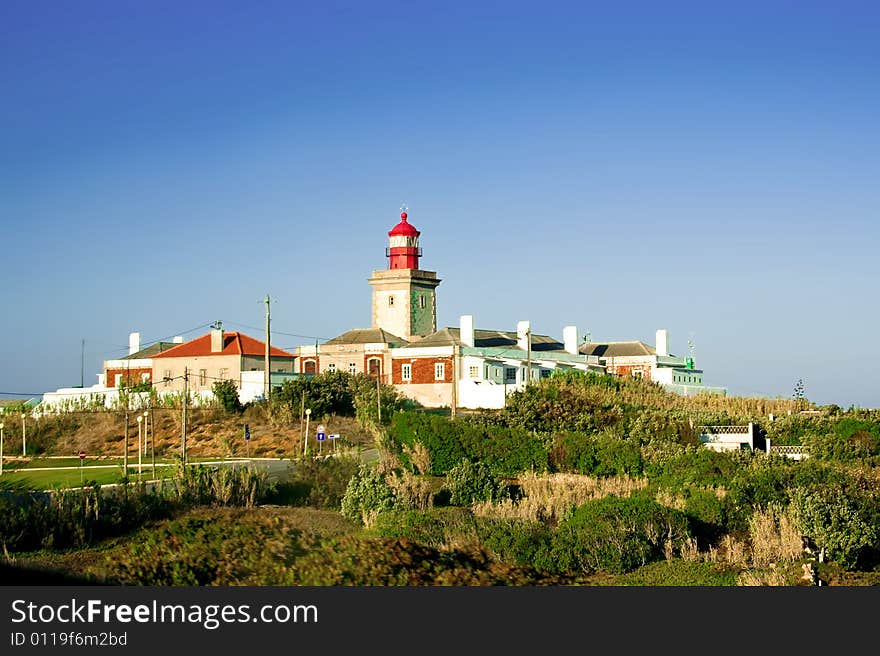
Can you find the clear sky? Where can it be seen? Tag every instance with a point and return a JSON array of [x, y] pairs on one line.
[[709, 168]]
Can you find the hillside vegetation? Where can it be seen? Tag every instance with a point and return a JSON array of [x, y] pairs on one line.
[[580, 480]]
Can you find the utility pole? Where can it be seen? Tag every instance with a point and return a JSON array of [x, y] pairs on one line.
[[183, 421], [529, 355], [378, 401], [454, 380], [125, 452], [267, 387], [153, 440]]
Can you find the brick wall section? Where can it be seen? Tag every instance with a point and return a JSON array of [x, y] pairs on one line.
[[130, 376], [422, 370], [627, 370]]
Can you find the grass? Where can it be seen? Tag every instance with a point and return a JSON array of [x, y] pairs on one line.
[[63, 478]]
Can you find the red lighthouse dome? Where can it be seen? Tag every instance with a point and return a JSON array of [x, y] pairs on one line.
[[403, 228], [403, 250]]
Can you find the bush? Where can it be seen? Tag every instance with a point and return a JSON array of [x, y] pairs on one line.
[[842, 523], [506, 451], [617, 535], [469, 482], [324, 481], [367, 495], [226, 394]]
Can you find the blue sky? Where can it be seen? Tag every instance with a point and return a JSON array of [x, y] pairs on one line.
[[709, 168]]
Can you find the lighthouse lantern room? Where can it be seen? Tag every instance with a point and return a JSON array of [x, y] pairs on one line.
[[404, 296]]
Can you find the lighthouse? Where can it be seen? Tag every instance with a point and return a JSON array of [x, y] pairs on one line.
[[404, 296]]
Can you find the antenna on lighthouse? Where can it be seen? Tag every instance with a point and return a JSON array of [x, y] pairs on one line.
[[404, 207], [691, 346]]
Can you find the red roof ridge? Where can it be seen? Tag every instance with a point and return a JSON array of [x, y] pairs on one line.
[[234, 343]]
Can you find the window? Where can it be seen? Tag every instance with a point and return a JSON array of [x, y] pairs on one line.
[[352, 368], [331, 367], [637, 373], [203, 377], [439, 371], [117, 379], [474, 372], [545, 373], [167, 377], [223, 374], [406, 372], [509, 374], [390, 301], [374, 367], [422, 301], [309, 366]]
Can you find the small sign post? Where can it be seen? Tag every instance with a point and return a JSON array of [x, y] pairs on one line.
[[247, 439], [321, 437], [82, 459], [334, 437]]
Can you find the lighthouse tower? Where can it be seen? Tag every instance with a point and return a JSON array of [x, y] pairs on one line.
[[404, 296]]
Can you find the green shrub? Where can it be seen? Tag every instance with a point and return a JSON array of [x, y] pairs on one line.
[[437, 527], [506, 451], [226, 394], [324, 481], [367, 495], [469, 482], [840, 522], [617, 535]]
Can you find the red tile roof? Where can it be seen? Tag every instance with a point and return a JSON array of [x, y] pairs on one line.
[[233, 344]]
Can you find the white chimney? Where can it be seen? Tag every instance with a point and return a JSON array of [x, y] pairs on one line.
[[466, 328], [178, 339], [217, 338], [523, 334], [570, 339], [662, 346], [134, 343]]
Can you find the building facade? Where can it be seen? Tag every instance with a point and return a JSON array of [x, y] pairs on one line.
[[217, 356]]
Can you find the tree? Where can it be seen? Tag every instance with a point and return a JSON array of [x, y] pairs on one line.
[[226, 394], [798, 390]]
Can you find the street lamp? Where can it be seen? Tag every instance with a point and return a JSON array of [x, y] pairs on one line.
[[146, 415], [1, 448], [140, 418], [306, 437], [23, 435]]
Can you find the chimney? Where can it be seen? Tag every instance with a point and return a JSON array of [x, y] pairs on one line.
[[134, 343], [178, 339], [217, 338], [570, 339], [466, 328], [662, 346], [523, 330]]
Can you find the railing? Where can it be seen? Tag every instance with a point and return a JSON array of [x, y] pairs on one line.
[[790, 449], [724, 430], [409, 251]]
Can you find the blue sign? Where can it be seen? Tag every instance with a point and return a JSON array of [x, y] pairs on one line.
[[321, 437], [247, 432]]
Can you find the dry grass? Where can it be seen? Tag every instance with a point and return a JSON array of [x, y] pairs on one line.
[[730, 551], [419, 456], [774, 538], [412, 491], [771, 577], [549, 498]]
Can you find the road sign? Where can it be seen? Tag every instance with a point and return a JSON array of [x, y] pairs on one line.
[[321, 437], [247, 432], [320, 428], [333, 436], [82, 455]]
